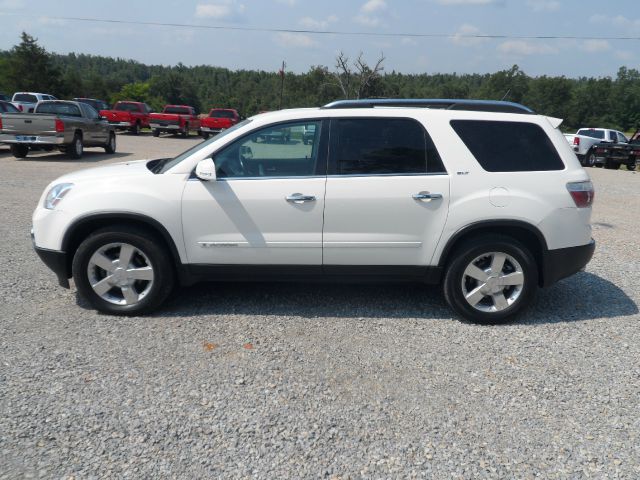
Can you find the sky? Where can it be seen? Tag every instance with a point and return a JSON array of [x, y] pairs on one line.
[[383, 27]]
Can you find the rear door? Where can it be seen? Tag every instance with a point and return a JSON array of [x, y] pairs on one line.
[[387, 194]]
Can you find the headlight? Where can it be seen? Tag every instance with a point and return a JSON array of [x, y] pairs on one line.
[[56, 194]]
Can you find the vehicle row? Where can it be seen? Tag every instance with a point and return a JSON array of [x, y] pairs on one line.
[[597, 147], [71, 125]]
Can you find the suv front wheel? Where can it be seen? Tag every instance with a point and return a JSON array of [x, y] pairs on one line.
[[491, 279], [122, 271]]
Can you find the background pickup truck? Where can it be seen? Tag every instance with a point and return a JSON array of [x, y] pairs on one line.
[[175, 119], [218, 119], [69, 126], [585, 141], [130, 116]]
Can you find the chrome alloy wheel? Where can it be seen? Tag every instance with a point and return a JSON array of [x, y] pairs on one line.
[[492, 282], [120, 273]]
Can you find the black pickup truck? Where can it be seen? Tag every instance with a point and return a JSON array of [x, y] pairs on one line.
[[612, 155]]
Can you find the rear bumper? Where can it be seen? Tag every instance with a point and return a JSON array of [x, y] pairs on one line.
[[564, 262], [121, 124], [31, 139], [158, 126], [211, 129]]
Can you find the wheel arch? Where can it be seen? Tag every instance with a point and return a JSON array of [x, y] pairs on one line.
[[526, 233], [82, 227]]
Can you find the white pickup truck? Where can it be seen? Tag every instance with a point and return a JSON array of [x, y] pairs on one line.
[[585, 140]]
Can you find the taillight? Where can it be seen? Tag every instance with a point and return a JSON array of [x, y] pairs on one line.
[[59, 126], [20, 107], [0, 122], [576, 141], [582, 193]]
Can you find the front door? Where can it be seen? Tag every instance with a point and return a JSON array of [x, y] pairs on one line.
[[266, 206], [387, 194]]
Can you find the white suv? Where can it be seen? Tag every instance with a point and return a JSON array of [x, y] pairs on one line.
[[486, 198]]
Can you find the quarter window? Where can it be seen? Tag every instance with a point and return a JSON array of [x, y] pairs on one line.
[[508, 146], [281, 150], [377, 146]]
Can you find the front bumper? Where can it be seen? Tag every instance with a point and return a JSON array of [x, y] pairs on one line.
[[121, 124], [564, 262], [31, 139], [57, 262]]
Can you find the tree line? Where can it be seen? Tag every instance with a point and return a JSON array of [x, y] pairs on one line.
[[584, 101]]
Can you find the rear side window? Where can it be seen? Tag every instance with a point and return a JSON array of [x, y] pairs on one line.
[[378, 146], [508, 146], [127, 107], [221, 114], [178, 110]]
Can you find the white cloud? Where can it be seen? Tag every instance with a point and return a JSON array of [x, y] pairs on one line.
[[596, 46], [616, 21], [312, 23], [543, 5], [408, 41], [624, 55], [524, 48], [220, 9], [295, 40], [12, 4], [467, 2], [464, 36], [373, 6], [291, 3], [367, 20]]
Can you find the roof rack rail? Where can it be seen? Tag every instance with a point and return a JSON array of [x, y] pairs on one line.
[[445, 104]]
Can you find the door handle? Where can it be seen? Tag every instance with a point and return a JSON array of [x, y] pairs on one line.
[[426, 196], [300, 198]]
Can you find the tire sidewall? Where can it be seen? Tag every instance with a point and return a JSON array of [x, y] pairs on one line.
[[468, 252], [157, 256]]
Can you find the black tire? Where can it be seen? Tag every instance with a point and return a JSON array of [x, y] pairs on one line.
[[205, 135], [48, 148], [479, 248], [611, 165], [135, 130], [110, 146], [76, 148], [156, 132], [590, 159], [19, 151], [185, 131], [631, 166], [145, 242]]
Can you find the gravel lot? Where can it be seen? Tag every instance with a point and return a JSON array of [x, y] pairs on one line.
[[307, 381]]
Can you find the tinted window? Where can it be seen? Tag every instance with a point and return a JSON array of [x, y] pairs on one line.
[[178, 110], [58, 108], [508, 146], [222, 114], [7, 107], [590, 132], [373, 146], [127, 107], [25, 97], [90, 112], [277, 151], [622, 138]]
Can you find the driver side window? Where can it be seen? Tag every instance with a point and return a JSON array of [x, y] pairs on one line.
[[282, 150]]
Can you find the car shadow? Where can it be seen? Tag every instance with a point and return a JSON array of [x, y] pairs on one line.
[[58, 157], [584, 296]]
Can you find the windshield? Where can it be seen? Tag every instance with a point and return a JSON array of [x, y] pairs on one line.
[[178, 110], [221, 114], [59, 108], [169, 163]]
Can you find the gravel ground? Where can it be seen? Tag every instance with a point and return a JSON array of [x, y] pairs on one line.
[[307, 381]]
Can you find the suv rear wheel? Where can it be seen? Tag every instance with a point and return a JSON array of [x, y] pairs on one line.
[[491, 279], [123, 271], [19, 151]]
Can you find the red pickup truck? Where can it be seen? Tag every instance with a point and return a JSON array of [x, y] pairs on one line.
[[130, 116], [175, 119], [219, 119]]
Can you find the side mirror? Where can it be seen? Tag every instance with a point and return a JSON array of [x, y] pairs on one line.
[[206, 170]]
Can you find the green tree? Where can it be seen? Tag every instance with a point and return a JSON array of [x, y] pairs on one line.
[[29, 68]]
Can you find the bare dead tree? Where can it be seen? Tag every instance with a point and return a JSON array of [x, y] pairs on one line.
[[354, 80]]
